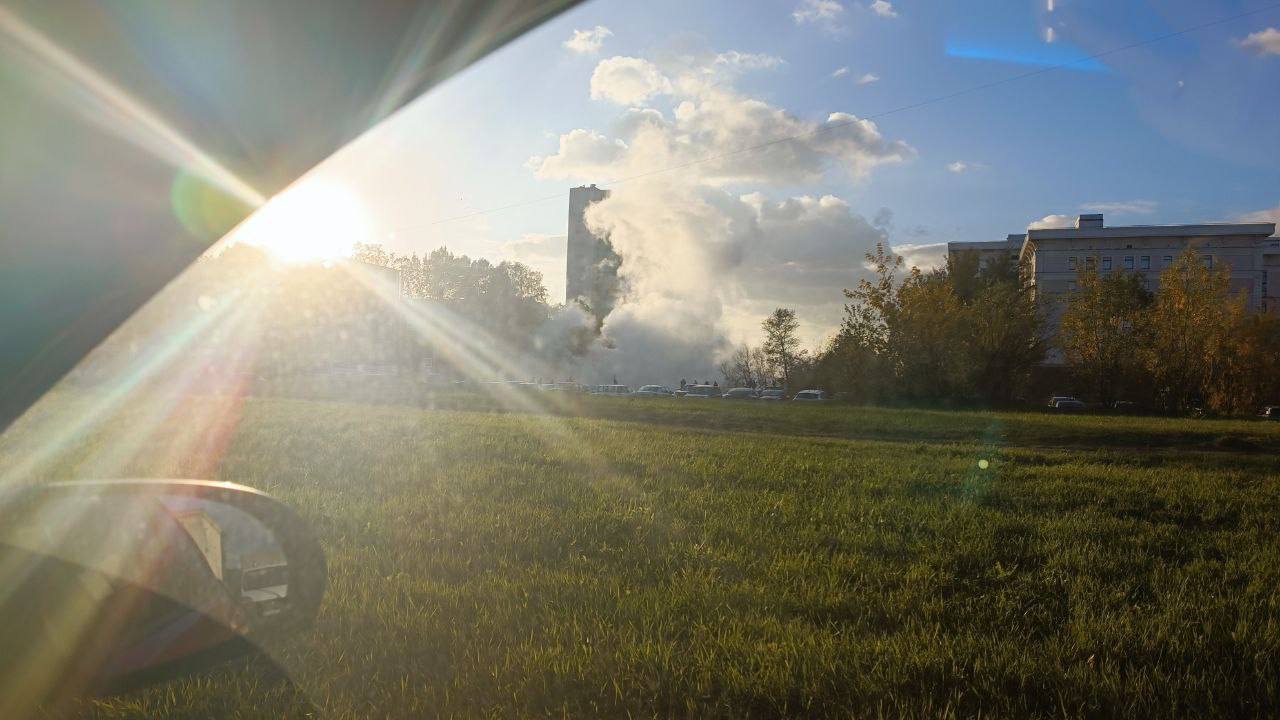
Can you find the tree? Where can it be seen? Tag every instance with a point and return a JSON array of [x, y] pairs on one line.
[[1191, 324], [746, 367], [1248, 376], [1004, 328], [962, 332], [1101, 332], [781, 345]]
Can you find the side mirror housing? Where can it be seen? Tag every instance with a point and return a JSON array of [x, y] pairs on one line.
[[108, 586]]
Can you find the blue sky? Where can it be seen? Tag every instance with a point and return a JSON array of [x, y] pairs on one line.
[[1181, 130]]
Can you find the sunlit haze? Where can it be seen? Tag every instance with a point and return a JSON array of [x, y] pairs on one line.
[[316, 219]]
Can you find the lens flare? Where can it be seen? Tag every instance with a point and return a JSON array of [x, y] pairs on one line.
[[312, 220]]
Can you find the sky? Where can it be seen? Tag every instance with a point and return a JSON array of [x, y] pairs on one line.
[[762, 148]]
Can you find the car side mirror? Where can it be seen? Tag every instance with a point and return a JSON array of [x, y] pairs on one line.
[[114, 585]]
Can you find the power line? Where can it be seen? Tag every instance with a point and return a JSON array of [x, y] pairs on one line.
[[836, 126]]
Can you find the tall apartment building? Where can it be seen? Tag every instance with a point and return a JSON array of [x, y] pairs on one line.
[[591, 265]]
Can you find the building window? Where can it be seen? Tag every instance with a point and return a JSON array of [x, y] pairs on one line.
[[1091, 262], [1145, 262], [1106, 263], [1071, 262], [1166, 261], [1128, 262], [1207, 260], [1071, 287]]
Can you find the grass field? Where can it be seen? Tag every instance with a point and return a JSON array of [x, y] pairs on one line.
[[676, 558]]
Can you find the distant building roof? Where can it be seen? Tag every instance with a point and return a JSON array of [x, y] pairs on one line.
[[1171, 231], [1013, 243]]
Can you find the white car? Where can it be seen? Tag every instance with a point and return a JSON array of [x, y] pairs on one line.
[[653, 391], [810, 396]]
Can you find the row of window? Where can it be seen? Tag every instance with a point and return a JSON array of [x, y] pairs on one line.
[[1146, 284], [1144, 262]]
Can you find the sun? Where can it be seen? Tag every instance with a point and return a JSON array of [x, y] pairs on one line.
[[311, 221]]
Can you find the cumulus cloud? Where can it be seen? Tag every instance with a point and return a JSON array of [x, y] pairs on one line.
[[1126, 207], [868, 78], [883, 8], [582, 154], [1053, 221], [587, 42], [840, 72], [712, 126], [627, 80], [1263, 42], [825, 13]]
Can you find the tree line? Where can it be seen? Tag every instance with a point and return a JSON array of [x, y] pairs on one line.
[[976, 333]]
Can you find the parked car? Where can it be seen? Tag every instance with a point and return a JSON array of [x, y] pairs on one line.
[[773, 394], [740, 393], [810, 396], [1270, 412], [653, 391], [1068, 405], [614, 390], [1053, 401], [702, 391]]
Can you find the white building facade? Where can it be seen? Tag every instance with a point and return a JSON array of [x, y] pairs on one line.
[[1052, 257]]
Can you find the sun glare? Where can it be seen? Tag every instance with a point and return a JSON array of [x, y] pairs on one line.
[[311, 221]]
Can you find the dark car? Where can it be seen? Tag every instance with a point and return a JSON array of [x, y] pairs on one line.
[[740, 393]]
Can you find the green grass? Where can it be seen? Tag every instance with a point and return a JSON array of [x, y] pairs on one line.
[[622, 558]]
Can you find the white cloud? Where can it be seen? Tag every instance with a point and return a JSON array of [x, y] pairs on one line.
[[583, 154], [712, 125], [1271, 215], [1053, 221], [588, 42], [747, 61], [627, 80], [926, 256], [868, 78], [883, 8], [1127, 207], [825, 13], [964, 166], [840, 72], [1263, 42]]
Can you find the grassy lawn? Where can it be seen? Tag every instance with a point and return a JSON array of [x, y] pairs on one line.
[[691, 559]]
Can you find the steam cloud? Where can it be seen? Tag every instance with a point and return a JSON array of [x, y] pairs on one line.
[[705, 252]]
